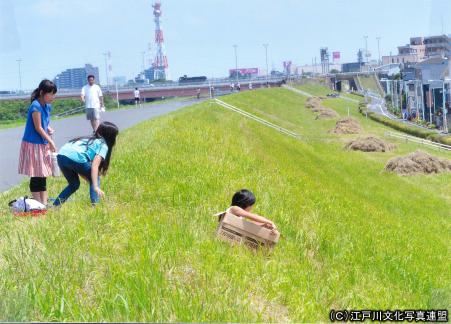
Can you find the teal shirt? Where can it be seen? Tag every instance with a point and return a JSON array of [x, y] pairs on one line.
[[81, 152]]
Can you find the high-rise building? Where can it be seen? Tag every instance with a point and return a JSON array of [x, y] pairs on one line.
[[76, 78]]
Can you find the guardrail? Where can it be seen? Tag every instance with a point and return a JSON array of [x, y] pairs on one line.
[[154, 86], [258, 119], [414, 139], [70, 112]]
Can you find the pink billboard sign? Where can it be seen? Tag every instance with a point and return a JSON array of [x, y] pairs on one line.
[[244, 71], [336, 55]]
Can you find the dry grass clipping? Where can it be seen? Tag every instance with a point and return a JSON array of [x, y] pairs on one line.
[[370, 144], [327, 113], [347, 125], [313, 102], [418, 162]]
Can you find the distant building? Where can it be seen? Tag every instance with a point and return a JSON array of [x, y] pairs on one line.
[[351, 67], [435, 68], [421, 48], [438, 46], [120, 80], [413, 52], [76, 78], [149, 74], [243, 73], [432, 72], [312, 68]]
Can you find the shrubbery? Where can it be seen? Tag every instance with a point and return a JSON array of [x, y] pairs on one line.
[[14, 110], [405, 128]]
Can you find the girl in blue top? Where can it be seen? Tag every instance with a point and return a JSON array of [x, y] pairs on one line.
[[87, 157], [35, 158]]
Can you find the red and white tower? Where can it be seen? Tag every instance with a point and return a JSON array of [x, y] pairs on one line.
[[160, 64]]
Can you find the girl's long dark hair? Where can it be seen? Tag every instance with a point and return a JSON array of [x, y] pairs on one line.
[[46, 86], [108, 132]]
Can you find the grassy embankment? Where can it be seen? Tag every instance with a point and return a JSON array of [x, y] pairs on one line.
[[354, 236]]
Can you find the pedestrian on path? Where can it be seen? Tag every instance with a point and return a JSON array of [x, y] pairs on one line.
[[92, 96], [137, 97], [35, 158]]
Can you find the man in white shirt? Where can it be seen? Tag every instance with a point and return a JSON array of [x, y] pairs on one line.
[[92, 96], [137, 97]]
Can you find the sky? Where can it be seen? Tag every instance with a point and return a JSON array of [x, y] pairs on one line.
[[49, 36]]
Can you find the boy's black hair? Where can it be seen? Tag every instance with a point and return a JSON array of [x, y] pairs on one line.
[[243, 198], [91, 76]]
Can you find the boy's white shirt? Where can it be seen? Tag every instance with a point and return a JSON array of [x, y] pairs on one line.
[[92, 96]]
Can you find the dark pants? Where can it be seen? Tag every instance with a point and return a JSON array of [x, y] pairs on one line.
[[71, 171]]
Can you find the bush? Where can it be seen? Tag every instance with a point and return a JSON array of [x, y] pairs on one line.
[[14, 110], [405, 128]]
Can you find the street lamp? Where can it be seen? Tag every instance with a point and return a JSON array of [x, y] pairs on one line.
[[236, 62], [379, 50], [366, 48], [266, 54], [106, 71], [19, 61]]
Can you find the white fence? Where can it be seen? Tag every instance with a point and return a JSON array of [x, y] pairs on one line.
[[414, 139], [258, 119]]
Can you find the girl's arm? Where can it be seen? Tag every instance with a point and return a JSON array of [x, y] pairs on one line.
[[95, 175], [238, 211], [37, 125]]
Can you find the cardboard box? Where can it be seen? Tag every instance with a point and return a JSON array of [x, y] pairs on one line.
[[238, 230]]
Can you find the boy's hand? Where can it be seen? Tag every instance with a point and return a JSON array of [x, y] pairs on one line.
[[51, 131]]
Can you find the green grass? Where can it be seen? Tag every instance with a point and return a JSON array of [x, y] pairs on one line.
[[354, 236], [12, 123], [314, 89], [369, 83]]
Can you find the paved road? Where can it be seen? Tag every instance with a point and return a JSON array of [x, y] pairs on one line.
[[69, 128], [306, 94]]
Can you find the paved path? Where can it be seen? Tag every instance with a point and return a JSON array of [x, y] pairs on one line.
[[306, 94], [69, 128]]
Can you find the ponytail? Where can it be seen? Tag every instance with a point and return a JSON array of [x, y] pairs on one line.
[[46, 86], [35, 94]]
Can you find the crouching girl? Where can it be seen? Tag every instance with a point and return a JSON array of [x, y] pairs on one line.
[[88, 157]]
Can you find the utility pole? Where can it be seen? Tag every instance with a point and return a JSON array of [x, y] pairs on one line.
[[236, 63], [106, 71], [366, 48], [379, 50], [444, 110], [266, 55], [144, 60], [19, 61]]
